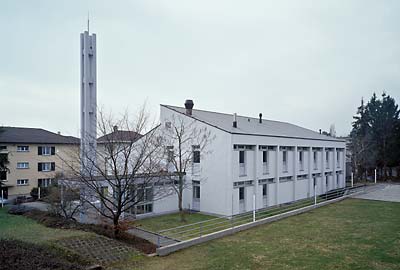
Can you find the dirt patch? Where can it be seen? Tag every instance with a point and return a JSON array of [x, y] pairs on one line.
[[18, 255], [106, 230]]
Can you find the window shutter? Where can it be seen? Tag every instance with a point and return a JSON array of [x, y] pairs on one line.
[[39, 150], [53, 166], [53, 150], [39, 167]]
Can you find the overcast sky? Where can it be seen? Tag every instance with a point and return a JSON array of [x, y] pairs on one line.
[[304, 62]]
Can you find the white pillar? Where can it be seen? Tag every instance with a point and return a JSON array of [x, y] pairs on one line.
[[310, 178], [352, 179], [254, 207], [334, 176], [256, 169], [323, 169], [375, 176], [277, 173], [295, 159], [38, 192]]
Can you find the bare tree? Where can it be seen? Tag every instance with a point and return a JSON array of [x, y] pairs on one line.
[[125, 173], [186, 141]]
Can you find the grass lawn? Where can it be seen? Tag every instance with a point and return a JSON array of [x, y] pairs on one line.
[[28, 230], [352, 234], [159, 223]]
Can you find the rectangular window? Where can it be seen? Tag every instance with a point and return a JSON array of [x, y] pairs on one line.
[[301, 161], [196, 192], [264, 190], [22, 148], [3, 147], [265, 162], [242, 166], [196, 156], [46, 166], [338, 159], [327, 159], [241, 157], [241, 193], [22, 182], [23, 165], [45, 182], [284, 161], [315, 157], [46, 150]]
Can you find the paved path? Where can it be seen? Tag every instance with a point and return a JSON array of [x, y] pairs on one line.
[[152, 237], [382, 192], [42, 206]]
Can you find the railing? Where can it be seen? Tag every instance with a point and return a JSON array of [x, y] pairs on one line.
[[199, 229]]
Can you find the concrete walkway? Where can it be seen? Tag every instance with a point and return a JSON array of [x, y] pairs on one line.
[[152, 237], [382, 192], [42, 206]]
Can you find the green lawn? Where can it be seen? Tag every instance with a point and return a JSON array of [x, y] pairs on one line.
[[28, 230], [352, 234], [159, 223]]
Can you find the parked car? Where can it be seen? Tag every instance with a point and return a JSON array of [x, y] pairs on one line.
[[23, 199]]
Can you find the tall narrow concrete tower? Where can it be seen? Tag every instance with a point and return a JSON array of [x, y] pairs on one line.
[[88, 102]]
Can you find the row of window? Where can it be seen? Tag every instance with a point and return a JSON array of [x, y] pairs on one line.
[[42, 150], [242, 158], [42, 182], [42, 166]]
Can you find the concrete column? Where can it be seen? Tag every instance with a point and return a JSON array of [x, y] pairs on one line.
[[256, 169], [344, 168], [310, 169], [323, 168], [295, 159], [334, 177], [277, 173]]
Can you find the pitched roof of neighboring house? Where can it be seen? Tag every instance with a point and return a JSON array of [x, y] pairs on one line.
[[33, 136], [120, 136], [251, 126]]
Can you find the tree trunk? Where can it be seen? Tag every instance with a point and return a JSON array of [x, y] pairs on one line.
[[116, 226]]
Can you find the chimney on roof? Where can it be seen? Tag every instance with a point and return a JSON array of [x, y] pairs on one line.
[[189, 106], [115, 128], [234, 120], [58, 132], [320, 131], [260, 118]]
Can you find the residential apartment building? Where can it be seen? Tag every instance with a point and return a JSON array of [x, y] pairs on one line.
[[35, 157], [272, 161]]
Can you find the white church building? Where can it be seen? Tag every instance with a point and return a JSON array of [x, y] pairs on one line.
[[275, 162]]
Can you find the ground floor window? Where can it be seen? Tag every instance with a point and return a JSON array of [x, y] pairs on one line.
[[264, 190], [44, 182], [22, 182], [144, 199], [196, 192], [144, 208], [241, 193]]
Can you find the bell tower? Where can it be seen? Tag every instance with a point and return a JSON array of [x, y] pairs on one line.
[[88, 80]]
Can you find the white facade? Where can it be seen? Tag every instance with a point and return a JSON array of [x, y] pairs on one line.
[[88, 99], [273, 161]]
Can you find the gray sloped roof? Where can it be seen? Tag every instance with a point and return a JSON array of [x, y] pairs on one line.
[[120, 136], [33, 136], [251, 126]]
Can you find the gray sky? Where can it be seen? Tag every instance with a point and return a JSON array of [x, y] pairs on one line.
[[304, 62]]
